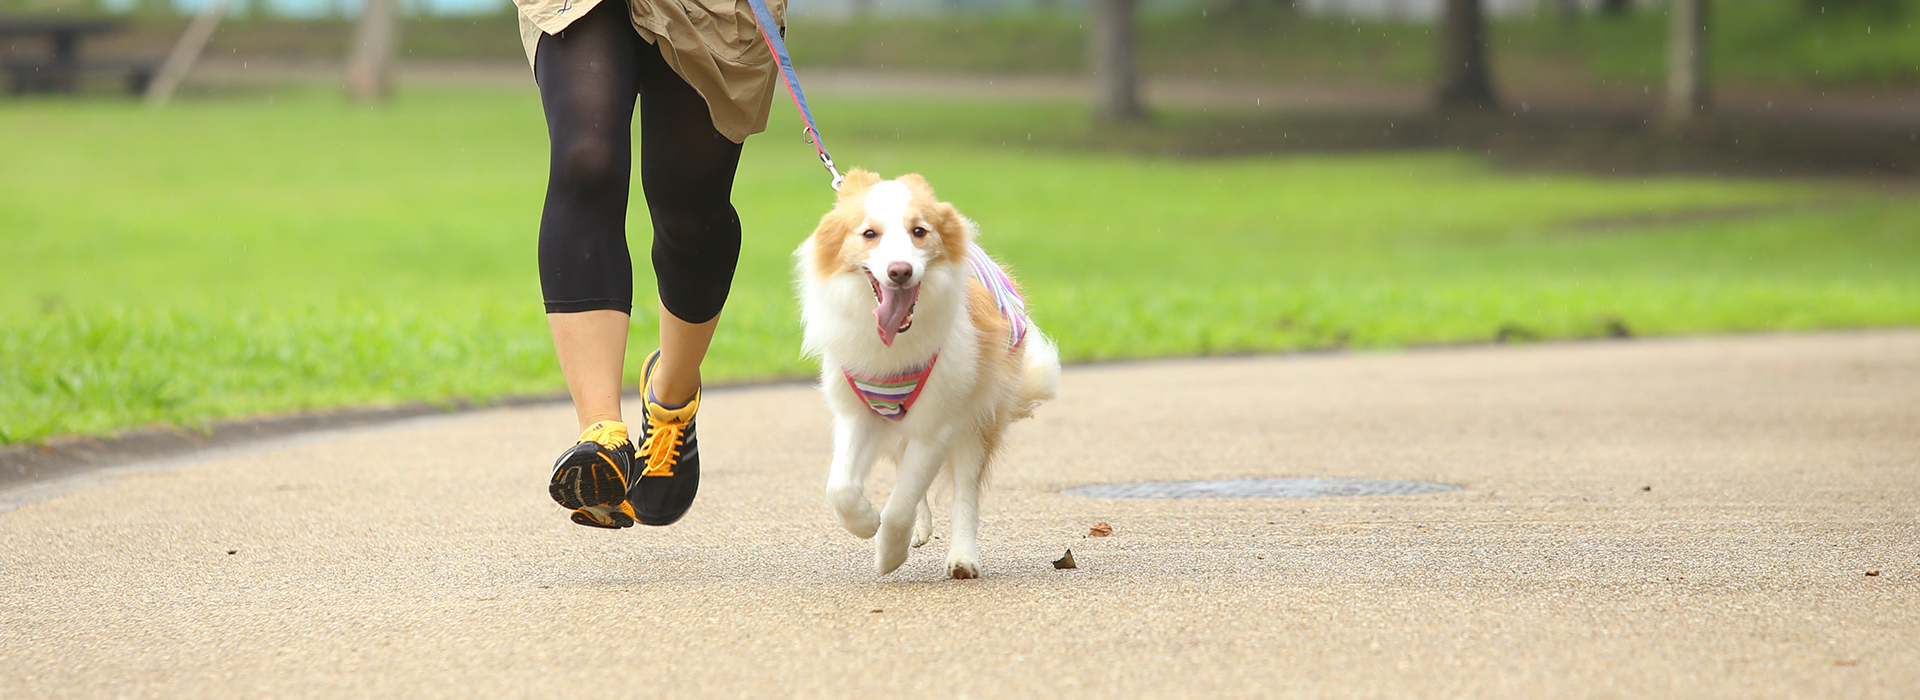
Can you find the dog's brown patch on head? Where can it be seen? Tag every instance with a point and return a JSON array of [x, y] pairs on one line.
[[831, 252], [831, 239], [856, 184], [918, 185], [837, 243], [946, 222]]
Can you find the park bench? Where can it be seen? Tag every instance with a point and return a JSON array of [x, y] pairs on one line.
[[61, 68], [29, 76]]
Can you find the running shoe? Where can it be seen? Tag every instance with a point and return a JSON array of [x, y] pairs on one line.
[[669, 456], [592, 477]]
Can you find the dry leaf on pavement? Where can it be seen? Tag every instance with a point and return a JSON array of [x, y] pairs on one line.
[[1065, 562], [1101, 530]]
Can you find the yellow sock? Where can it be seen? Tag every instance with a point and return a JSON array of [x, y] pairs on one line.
[[611, 433]]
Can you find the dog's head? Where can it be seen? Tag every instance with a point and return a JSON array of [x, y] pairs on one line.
[[891, 232]]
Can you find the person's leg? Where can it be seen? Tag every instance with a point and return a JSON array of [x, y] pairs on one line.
[[592, 346], [683, 346], [588, 82], [686, 172]]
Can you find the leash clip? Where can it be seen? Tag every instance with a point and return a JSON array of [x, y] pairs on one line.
[[770, 31], [813, 139], [837, 177]]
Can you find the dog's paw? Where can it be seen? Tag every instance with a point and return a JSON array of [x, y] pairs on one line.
[[890, 549], [861, 524], [962, 567], [855, 513]]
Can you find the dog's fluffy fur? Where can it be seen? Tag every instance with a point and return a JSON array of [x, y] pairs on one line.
[[976, 389]]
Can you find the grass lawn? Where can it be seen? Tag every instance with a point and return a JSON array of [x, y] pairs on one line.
[[281, 252]]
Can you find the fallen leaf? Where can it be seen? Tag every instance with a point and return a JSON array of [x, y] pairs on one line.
[[1101, 530], [231, 551], [1873, 572], [1065, 562], [878, 610]]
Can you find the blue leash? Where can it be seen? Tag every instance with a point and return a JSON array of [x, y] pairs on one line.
[[769, 31]]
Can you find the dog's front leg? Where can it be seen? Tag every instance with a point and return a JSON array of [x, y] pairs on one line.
[[922, 524], [855, 446], [963, 554], [918, 465]]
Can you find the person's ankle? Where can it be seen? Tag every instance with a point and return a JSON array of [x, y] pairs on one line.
[[669, 395], [676, 402], [589, 421]]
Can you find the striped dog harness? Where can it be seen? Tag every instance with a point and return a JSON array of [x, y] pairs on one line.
[[1013, 307], [891, 396]]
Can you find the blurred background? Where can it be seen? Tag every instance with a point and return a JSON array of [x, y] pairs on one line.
[[215, 209]]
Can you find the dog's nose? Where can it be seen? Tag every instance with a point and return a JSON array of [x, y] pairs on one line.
[[899, 272]]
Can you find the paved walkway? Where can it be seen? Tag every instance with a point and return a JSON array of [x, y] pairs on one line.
[[1879, 108], [1727, 517]]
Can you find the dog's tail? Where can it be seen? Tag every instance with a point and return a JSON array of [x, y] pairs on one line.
[[1040, 380]]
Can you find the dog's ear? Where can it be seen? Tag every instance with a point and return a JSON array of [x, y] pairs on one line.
[[956, 231], [918, 185], [822, 249], [857, 182]]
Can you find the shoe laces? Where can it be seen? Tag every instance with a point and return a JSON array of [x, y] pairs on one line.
[[661, 449]]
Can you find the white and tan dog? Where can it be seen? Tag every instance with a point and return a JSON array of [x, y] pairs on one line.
[[927, 356]]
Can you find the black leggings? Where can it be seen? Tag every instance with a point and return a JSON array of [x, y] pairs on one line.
[[589, 76]]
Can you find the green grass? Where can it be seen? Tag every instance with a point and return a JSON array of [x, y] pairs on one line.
[[236, 258]]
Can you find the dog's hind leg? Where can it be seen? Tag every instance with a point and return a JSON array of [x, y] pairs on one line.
[[918, 466], [963, 553], [855, 446], [922, 524]]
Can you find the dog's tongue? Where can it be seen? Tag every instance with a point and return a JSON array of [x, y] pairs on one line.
[[895, 306]]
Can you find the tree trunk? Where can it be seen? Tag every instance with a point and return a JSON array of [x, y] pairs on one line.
[[185, 52], [1464, 82], [1115, 79], [370, 68], [1615, 8], [1686, 62]]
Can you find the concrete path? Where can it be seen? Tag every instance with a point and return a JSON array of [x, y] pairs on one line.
[[1730, 517], [1882, 107]]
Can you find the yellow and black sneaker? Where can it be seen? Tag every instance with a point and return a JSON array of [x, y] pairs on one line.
[[592, 477], [669, 456]]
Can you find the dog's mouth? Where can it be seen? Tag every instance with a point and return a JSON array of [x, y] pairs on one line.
[[893, 312]]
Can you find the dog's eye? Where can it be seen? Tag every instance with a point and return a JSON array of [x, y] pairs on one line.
[[869, 233], [919, 232]]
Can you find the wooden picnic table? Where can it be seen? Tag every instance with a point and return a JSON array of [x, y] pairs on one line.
[[59, 70]]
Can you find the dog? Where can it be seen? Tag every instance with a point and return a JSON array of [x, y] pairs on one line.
[[926, 356]]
